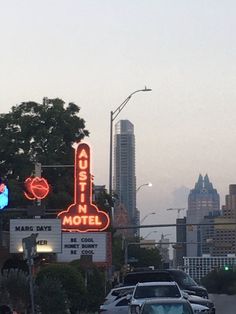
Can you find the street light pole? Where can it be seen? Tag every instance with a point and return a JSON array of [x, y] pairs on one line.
[[144, 184], [152, 213], [113, 115]]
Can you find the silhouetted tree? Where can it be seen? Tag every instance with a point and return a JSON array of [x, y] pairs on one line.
[[51, 297], [220, 281], [33, 132], [70, 279]]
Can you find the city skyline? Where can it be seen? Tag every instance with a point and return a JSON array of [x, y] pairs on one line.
[[96, 53]]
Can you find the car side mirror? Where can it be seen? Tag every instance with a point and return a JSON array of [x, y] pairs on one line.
[[128, 297]]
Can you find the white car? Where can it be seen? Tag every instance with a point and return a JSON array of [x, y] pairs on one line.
[[150, 290], [121, 305], [117, 293]]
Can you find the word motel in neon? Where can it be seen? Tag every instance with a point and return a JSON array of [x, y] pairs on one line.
[[83, 215]]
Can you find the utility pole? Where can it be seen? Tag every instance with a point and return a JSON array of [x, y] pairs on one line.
[[29, 251]]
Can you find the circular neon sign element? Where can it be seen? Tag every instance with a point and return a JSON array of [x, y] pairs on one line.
[[36, 188]]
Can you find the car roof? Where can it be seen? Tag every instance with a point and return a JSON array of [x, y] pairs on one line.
[[122, 288], [165, 300], [157, 283]]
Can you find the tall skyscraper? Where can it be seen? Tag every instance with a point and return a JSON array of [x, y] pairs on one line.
[[203, 200], [124, 167]]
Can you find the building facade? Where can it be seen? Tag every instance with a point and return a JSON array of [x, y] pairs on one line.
[[124, 180], [180, 246], [203, 200], [199, 267]]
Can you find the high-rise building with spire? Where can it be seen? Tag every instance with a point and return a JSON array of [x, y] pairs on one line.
[[124, 167], [203, 201]]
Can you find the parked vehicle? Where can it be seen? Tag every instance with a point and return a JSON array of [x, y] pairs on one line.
[[117, 293], [121, 305], [185, 282], [166, 306], [147, 290], [196, 300]]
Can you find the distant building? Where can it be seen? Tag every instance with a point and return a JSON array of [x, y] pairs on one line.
[[224, 240], [124, 168], [163, 246], [199, 267], [121, 219], [202, 201], [180, 246]]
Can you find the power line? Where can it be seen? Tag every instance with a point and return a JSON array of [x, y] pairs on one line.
[[177, 225]]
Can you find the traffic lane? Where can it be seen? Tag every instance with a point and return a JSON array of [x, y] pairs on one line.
[[224, 304]]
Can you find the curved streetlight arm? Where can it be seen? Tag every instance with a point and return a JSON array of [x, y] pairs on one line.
[[113, 116], [154, 231], [148, 184], [115, 113], [152, 213]]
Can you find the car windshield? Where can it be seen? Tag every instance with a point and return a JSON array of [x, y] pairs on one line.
[[122, 292], [184, 280], [142, 292], [173, 308]]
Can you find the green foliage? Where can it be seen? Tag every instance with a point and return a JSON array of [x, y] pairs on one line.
[[144, 256], [43, 133], [220, 281], [117, 252], [94, 279], [51, 297], [70, 279], [14, 289]]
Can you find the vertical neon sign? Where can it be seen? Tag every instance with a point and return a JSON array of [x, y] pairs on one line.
[[83, 215], [3, 195]]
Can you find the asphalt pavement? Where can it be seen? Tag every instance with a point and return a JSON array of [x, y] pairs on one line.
[[224, 304]]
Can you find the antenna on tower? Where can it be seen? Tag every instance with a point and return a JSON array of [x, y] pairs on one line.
[[178, 210]]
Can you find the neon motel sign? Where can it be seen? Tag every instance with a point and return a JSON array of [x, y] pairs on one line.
[[3, 195], [83, 215], [36, 188]]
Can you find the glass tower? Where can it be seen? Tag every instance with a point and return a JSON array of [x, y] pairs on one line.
[[124, 180]]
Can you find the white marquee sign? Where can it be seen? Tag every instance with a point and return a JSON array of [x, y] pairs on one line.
[[75, 244], [48, 239]]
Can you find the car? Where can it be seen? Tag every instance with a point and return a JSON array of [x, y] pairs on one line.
[[147, 290], [185, 282], [166, 306], [117, 293], [197, 308], [121, 305], [196, 300]]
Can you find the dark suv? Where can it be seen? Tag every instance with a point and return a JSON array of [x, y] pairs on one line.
[[185, 282]]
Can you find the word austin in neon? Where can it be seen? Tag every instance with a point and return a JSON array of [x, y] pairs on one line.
[[83, 215]]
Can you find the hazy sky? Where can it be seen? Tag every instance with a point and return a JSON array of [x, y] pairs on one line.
[[96, 52]]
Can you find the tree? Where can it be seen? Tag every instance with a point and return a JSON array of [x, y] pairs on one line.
[[51, 297], [70, 279], [42, 133], [144, 256], [94, 279], [14, 289], [220, 281]]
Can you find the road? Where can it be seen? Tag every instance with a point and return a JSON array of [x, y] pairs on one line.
[[225, 304]]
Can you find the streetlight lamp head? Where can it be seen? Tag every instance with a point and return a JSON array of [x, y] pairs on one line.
[[149, 184], [147, 89]]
